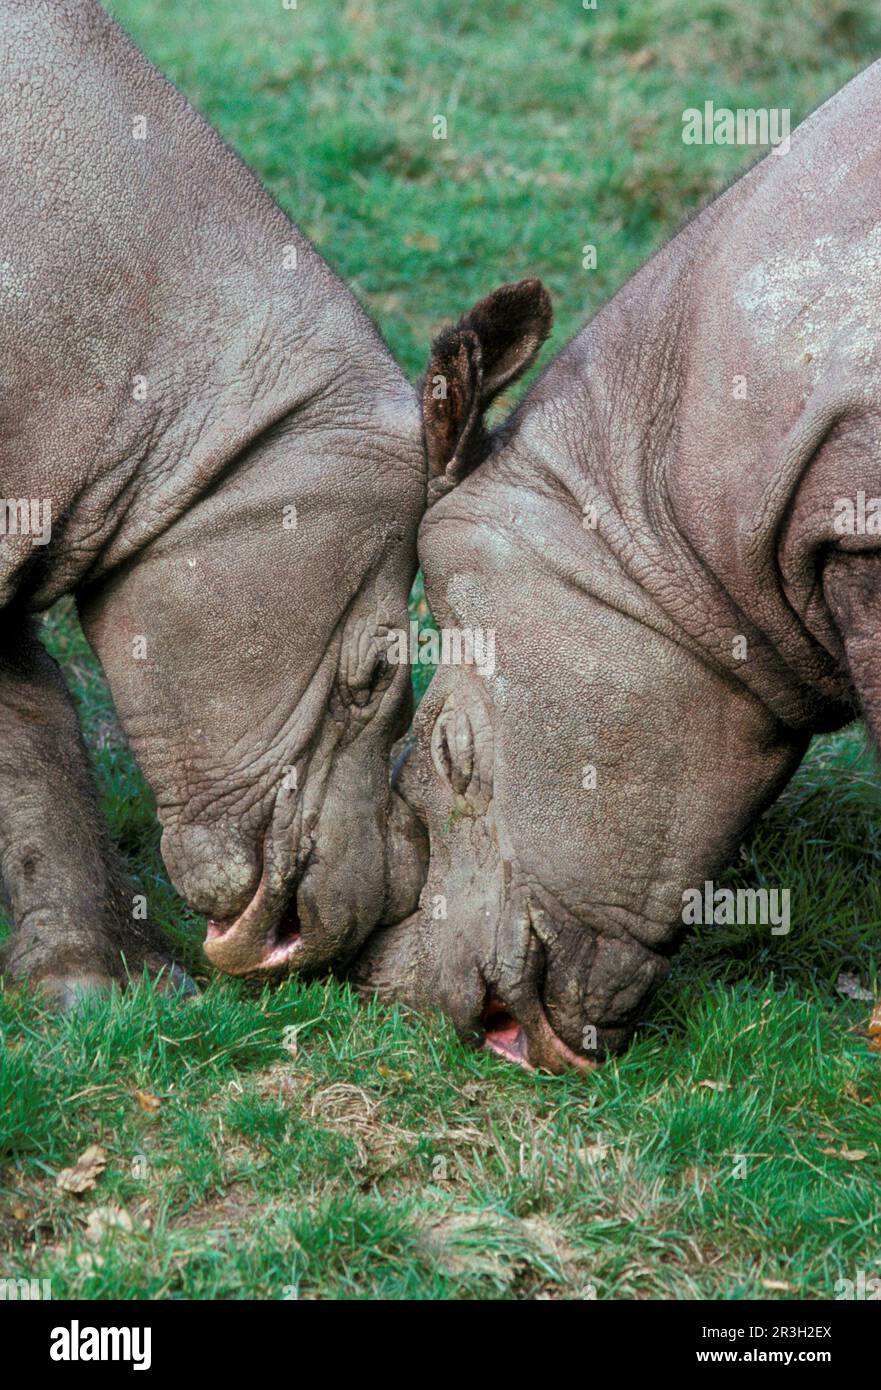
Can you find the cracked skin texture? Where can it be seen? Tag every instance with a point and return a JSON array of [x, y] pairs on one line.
[[651, 534], [235, 472]]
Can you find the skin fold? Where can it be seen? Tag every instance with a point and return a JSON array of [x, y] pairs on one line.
[[234, 467], [652, 536]]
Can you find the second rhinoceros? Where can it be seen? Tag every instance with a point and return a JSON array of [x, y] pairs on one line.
[[666, 539], [205, 440]]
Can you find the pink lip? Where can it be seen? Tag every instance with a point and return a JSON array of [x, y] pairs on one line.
[[249, 943], [543, 1049]]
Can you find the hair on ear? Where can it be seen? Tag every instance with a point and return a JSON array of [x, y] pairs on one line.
[[490, 347]]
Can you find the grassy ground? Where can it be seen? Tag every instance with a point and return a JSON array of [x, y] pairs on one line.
[[291, 1143]]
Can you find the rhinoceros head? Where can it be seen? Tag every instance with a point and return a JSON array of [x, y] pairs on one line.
[[563, 775], [246, 649]]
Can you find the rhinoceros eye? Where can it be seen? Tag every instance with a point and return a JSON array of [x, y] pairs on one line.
[[452, 749]]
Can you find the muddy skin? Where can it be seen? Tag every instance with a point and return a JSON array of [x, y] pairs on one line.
[[234, 467], [653, 537]]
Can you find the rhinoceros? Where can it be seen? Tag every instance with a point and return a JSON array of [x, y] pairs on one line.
[[665, 538], [206, 441]]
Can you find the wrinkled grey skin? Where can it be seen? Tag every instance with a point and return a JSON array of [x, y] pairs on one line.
[[174, 385], [616, 646]]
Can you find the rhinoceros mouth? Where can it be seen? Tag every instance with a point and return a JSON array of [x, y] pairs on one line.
[[282, 944], [266, 936], [537, 1046]]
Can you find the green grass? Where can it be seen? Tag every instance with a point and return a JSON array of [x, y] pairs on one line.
[[308, 1146]]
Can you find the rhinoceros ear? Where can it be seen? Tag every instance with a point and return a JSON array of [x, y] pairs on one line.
[[470, 364]]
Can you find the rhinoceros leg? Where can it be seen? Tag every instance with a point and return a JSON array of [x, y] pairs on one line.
[[73, 930]]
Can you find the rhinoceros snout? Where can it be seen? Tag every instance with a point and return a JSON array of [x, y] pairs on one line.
[[318, 915], [266, 936]]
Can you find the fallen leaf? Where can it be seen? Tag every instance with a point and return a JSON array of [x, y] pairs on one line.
[[642, 58], [849, 985], [84, 1173], [147, 1101], [390, 1072], [852, 1155], [592, 1153], [714, 1085], [104, 1219], [852, 1093], [19, 1214], [422, 241], [875, 1022], [88, 1262]]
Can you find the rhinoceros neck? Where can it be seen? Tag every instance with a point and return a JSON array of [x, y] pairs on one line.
[[673, 519], [267, 360], [252, 350], [159, 315]]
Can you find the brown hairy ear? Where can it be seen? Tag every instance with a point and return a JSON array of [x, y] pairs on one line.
[[470, 364], [451, 399]]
